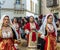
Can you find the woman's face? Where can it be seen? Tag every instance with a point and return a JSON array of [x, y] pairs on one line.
[[6, 20], [15, 20], [50, 19], [31, 19]]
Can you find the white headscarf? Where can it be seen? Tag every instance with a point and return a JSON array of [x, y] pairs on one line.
[[42, 28], [1, 22]]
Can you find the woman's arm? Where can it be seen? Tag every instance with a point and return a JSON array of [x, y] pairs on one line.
[[39, 34], [47, 29]]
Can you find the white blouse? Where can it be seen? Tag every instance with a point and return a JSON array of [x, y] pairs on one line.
[[7, 33], [16, 26], [32, 26], [50, 27]]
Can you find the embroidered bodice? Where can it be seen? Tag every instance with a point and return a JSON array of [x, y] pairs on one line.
[[7, 33]]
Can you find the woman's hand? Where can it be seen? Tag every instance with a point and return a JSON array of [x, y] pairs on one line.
[[16, 41], [16, 45], [39, 35], [26, 36], [42, 36]]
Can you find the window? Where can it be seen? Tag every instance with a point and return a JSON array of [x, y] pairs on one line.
[[52, 3], [31, 5], [17, 1], [55, 2], [49, 3], [36, 8]]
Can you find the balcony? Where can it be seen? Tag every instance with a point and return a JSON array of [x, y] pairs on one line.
[[19, 7], [52, 3]]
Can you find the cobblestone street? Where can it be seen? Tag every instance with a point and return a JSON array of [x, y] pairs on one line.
[[23, 46]]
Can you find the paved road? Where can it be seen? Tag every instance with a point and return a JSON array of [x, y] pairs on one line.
[[23, 46], [58, 46]]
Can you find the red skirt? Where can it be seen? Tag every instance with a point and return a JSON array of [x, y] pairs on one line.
[[50, 42], [33, 37], [7, 44]]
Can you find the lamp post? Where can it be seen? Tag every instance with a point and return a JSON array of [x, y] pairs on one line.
[[1, 3]]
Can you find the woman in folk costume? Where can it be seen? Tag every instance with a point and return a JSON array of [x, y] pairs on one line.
[[16, 26], [48, 32], [31, 32], [7, 34]]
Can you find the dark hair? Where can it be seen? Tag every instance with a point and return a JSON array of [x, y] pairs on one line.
[[14, 34], [36, 18], [30, 17], [49, 16], [7, 16], [14, 18]]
